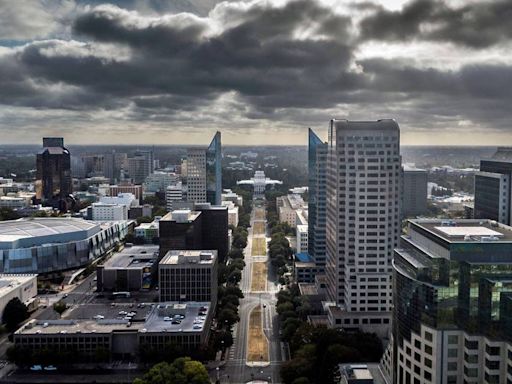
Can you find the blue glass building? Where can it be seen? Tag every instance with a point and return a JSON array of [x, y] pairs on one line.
[[214, 171], [317, 157]]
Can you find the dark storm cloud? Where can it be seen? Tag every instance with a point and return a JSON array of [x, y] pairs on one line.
[[177, 62], [288, 63], [476, 25]]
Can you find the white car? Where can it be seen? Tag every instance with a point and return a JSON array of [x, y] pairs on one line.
[[99, 317], [167, 318], [122, 313], [50, 368], [36, 368], [197, 326], [197, 321]]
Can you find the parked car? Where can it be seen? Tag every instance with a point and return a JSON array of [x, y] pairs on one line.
[[36, 368], [50, 368]]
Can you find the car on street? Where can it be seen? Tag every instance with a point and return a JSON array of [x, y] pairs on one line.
[[50, 368], [36, 368], [167, 318]]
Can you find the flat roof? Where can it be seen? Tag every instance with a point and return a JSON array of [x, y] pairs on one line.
[[138, 256], [185, 256], [466, 230], [81, 319], [303, 257], [10, 282]]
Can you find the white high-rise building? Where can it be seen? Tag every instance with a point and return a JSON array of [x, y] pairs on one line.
[[196, 175], [363, 222], [173, 193]]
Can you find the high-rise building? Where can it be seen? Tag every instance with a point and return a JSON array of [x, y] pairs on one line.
[[414, 191], [204, 228], [173, 194], [452, 312], [204, 173], [493, 187], [317, 163], [214, 171], [53, 174], [188, 275], [215, 228], [363, 222]]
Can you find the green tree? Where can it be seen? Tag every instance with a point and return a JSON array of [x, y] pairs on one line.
[[14, 313], [181, 371], [236, 253], [60, 307]]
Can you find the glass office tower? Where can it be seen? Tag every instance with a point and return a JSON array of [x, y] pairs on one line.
[[317, 161], [452, 292], [214, 171]]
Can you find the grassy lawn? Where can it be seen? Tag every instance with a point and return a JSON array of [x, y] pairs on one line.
[[259, 246], [259, 214], [259, 277], [258, 228], [257, 349]]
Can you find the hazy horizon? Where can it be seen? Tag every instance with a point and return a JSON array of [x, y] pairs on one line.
[[262, 71]]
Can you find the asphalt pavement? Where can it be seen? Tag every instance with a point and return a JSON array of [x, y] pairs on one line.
[[236, 369]]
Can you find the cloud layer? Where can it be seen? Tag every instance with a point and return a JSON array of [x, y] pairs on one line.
[[260, 64]]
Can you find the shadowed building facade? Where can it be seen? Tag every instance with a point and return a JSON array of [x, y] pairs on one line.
[[53, 173]]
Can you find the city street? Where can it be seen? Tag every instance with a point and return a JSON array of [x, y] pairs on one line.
[[237, 368]]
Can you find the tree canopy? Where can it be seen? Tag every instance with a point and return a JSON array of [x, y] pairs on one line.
[[14, 313], [183, 370]]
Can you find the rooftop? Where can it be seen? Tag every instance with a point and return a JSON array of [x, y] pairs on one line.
[[181, 216], [175, 257], [466, 230], [303, 257], [135, 257], [45, 230], [10, 282], [151, 318]]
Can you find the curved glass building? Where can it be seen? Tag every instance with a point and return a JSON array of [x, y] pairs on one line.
[[452, 315], [44, 245]]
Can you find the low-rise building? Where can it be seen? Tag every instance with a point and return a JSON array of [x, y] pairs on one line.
[[187, 275], [148, 231], [288, 206], [152, 329], [22, 286], [107, 212], [305, 268], [132, 269], [232, 213], [302, 238], [229, 195]]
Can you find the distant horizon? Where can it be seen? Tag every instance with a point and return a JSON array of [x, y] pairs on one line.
[[263, 71]]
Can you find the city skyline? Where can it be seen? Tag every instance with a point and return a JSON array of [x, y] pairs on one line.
[[260, 71]]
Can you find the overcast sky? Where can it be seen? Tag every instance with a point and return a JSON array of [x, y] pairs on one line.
[[262, 71]]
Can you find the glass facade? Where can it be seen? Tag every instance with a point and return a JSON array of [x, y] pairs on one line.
[[214, 171], [470, 291], [317, 157], [57, 257], [487, 197]]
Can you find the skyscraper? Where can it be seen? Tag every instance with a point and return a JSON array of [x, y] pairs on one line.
[[452, 312], [317, 162], [363, 223], [493, 187], [414, 191], [53, 173], [214, 171], [204, 173]]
